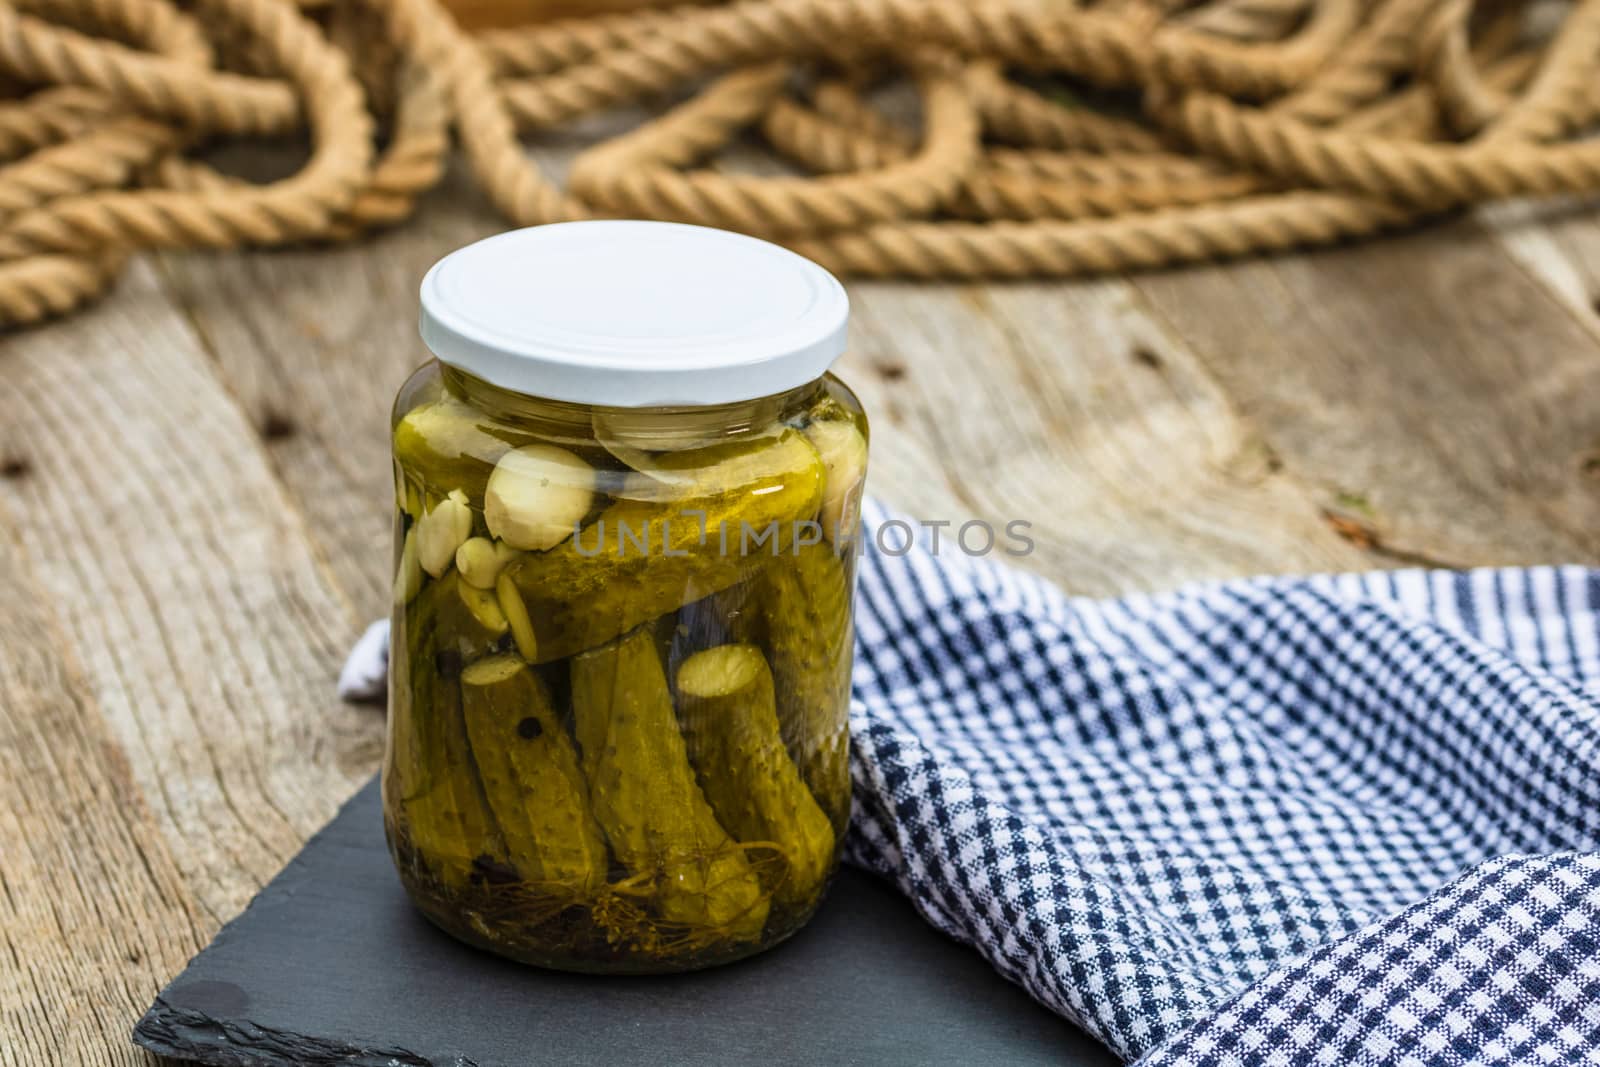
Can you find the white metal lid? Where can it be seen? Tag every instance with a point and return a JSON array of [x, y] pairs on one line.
[[634, 314]]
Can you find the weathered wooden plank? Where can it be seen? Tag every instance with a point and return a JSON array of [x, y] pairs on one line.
[[1559, 245], [1065, 405], [1436, 397], [94, 914], [208, 632], [314, 343]]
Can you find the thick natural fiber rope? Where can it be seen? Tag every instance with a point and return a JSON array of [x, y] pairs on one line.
[[1055, 137]]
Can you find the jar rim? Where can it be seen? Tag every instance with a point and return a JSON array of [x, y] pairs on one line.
[[628, 313]]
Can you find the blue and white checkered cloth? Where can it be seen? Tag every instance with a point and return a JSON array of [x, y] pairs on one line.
[[1341, 820]]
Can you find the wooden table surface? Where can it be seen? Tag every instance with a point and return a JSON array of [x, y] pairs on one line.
[[195, 494]]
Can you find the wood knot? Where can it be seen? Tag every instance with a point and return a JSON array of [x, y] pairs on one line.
[[15, 468], [276, 426], [1147, 357], [1359, 531]]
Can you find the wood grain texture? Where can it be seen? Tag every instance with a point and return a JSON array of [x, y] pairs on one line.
[[1068, 407], [314, 344], [1439, 399], [198, 637], [94, 913], [1559, 246]]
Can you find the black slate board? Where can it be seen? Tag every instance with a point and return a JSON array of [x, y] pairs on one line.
[[331, 965]]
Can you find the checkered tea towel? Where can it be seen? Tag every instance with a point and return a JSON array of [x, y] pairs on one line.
[[1336, 820]]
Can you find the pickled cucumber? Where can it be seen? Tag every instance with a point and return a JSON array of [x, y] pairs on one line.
[[408, 577], [448, 444], [644, 795], [644, 558], [729, 715], [803, 616], [531, 779], [844, 454], [720, 619], [439, 795], [401, 768]]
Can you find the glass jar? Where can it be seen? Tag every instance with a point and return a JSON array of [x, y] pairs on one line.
[[627, 509]]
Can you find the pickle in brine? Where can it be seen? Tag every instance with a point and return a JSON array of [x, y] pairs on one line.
[[644, 795], [530, 777], [803, 609], [645, 557], [448, 444], [723, 618], [408, 575], [446, 814], [843, 449], [729, 714]]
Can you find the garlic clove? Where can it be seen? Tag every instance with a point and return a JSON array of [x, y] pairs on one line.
[[441, 531], [481, 560], [537, 495]]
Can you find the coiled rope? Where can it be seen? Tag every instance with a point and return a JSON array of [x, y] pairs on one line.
[[1056, 137]]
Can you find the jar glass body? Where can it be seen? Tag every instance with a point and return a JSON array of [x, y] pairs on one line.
[[620, 669]]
